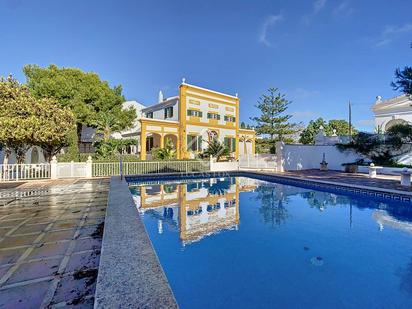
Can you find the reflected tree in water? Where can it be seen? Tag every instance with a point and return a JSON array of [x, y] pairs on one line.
[[220, 187], [320, 200], [272, 205]]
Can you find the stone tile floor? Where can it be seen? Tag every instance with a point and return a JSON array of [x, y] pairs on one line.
[[50, 240], [382, 181]]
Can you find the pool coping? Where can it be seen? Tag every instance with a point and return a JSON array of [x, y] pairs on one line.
[[130, 274]]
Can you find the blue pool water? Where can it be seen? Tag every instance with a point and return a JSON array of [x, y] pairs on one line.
[[246, 243]]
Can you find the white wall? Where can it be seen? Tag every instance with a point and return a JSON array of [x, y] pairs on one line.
[[301, 157], [224, 166]]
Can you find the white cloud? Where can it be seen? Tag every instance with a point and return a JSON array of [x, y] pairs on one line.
[[318, 5], [269, 22], [343, 9], [390, 33]]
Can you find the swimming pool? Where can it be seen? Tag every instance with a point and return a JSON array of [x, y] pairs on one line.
[[238, 242]]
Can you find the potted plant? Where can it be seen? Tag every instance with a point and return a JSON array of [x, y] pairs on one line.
[[352, 167]]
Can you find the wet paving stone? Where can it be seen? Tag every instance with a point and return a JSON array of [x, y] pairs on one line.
[[47, 250], [16, 241], [85, 259], [35, 228], [25, 297], [50, 241], [53, 236], [10, 256], [87, 244], [4, 270], [34, 270]]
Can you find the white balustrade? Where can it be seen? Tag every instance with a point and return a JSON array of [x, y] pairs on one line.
[[16, 172]]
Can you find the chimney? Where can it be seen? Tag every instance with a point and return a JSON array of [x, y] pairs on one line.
[[161, 99]]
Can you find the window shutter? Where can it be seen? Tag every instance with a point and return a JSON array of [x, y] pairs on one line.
[[199, 143], [189, 142], [233, 144]]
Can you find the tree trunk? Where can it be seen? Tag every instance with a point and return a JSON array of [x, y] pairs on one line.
[[79, 135]]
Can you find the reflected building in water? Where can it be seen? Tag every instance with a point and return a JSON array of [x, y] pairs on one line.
[[197, 209]]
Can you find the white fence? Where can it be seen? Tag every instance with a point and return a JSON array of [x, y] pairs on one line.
[[224, 166], [16, 172], [88, 169], [148, 167], [257, 161], [71, 169]]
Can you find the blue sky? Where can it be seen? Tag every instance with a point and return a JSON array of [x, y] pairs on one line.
[[320, 53]]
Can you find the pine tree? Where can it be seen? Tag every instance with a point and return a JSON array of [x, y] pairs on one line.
[[403, 80], [273, 121]]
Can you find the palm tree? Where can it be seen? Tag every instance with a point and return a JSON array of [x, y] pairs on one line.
[[114, 120], [106, 123], [166, 153], [216, 149]]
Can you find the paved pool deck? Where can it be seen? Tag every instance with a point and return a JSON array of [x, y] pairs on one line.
[[383, 182], [50, 241]]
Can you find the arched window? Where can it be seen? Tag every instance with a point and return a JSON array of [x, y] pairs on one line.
[[34, 159], [394, 122], [212, 135]]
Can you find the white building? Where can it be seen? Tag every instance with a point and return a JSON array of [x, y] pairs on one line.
[[390, 112], [88, 135], [33, 156]]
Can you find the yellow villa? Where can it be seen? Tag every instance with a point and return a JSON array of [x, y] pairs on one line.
[[190, 120]]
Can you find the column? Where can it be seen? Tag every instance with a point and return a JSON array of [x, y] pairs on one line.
[[89, 167], [178, 151], [162, 141], [143, 143], [53, 168]]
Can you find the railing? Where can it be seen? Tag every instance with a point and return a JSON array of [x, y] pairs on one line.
[[257, 161], [148, 167], [105, 169], [16, 172], [71, 169]]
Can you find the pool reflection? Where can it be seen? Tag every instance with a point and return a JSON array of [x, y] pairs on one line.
[[197, 209]]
